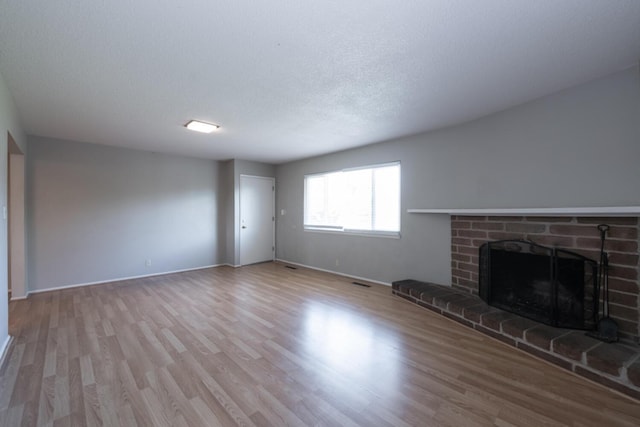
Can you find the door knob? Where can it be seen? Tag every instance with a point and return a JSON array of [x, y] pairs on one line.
[[244, 226]]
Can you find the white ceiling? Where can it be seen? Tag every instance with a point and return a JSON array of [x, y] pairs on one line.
[[289, 79]]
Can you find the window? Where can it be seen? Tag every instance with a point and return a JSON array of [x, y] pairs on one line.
[[362, 200]]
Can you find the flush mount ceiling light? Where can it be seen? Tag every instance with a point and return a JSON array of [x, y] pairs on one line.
[[201, 126]]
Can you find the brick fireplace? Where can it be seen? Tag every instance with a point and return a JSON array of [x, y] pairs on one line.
[[616, 365], [578, 234]]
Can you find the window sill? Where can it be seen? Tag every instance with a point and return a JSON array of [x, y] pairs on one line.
[[383, 234]]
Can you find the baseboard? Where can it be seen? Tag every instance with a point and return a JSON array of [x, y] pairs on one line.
[[119, 279], [5, 349], [18, 298], [337, 273]]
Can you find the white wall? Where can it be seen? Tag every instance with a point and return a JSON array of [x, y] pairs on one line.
[[97, 213], [580, 147], [9, 122]]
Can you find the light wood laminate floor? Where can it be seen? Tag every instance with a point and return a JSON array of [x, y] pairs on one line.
[[265, 345]]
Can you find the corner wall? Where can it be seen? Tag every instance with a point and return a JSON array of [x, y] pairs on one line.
[[579, 147], [9, 123]]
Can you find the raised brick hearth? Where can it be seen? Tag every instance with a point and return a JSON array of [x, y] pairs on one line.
[[614, 365], [578, 234]]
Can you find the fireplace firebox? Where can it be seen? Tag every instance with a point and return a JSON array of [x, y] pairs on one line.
[[549, 285]]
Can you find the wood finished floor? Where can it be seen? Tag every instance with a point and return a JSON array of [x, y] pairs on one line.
[[265, 345]]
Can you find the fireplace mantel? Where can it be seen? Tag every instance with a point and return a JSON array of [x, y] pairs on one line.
[[604, 211]]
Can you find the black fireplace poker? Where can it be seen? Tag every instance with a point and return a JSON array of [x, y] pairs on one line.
[[606, 328]]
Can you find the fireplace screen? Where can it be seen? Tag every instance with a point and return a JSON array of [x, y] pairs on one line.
[[549, 285]]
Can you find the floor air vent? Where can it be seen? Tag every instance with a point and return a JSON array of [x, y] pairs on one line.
[[361, 284], [290, 267]]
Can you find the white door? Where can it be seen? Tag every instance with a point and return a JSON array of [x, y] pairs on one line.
[[257, 219]]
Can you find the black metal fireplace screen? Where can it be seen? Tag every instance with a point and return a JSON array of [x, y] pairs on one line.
[[549, 285]]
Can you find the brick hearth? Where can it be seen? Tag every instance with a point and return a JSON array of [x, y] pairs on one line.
[[616, 366]]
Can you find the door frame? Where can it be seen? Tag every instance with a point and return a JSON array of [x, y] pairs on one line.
[[16, 268], [273, 214]]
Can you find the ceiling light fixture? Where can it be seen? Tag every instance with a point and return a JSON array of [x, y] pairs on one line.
[[199, 126]]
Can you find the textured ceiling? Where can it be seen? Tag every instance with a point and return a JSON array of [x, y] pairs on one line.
[[290, 79]]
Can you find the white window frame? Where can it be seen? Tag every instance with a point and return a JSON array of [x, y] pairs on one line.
[[339, 229]]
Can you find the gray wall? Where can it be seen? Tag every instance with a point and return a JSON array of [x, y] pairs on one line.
[[9, 122], [96, 213], [580, 147]]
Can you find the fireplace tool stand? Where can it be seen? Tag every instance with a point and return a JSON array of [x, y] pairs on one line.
[[606, 328]]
